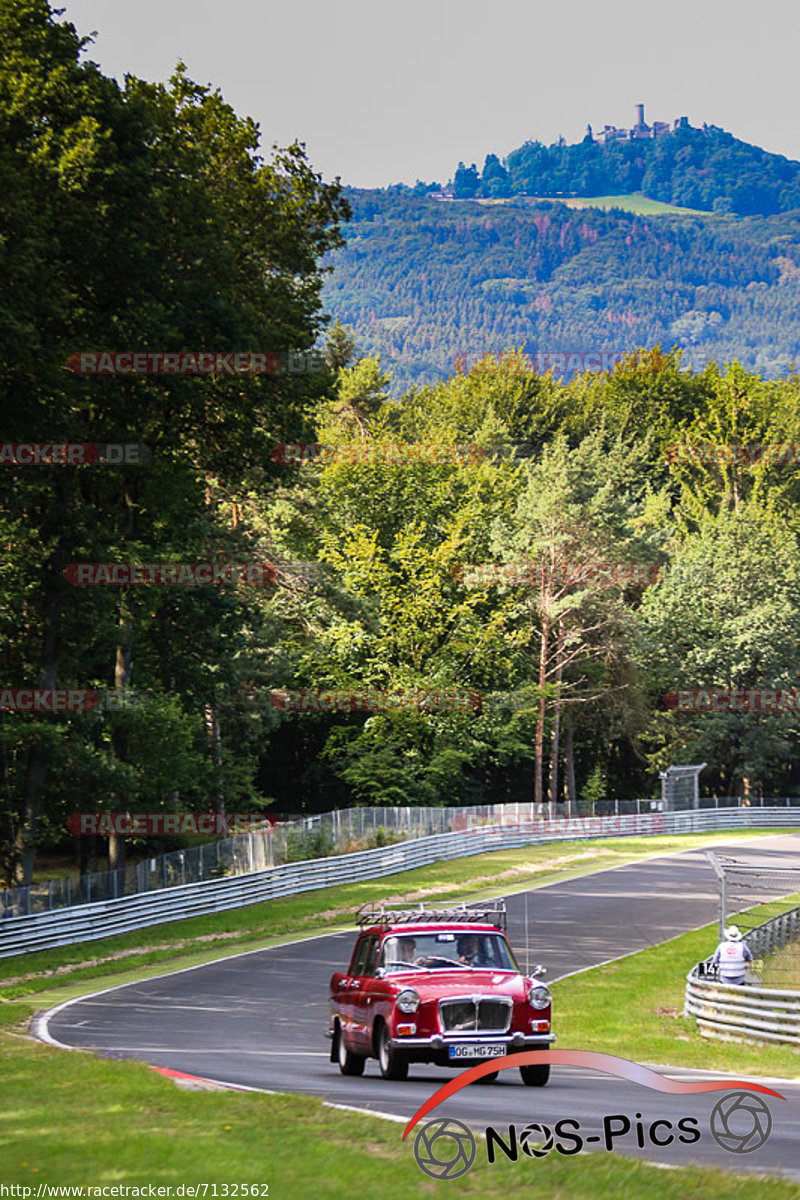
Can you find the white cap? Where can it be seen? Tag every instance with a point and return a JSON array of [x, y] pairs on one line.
[[733, 933]]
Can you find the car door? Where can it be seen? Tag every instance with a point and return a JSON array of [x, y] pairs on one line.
[[362, 995], [347, 988]]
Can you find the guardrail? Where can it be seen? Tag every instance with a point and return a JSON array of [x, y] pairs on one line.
[[747, 1012], [342, 831], [21, 934]]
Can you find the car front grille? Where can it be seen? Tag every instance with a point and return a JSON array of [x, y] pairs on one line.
[[475, 1014]]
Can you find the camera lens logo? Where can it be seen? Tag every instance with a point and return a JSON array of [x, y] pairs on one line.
[[536, 1140], [740, 1122], [444, 1149]]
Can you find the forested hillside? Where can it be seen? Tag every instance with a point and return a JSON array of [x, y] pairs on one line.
[[422, 280], [695, 168]]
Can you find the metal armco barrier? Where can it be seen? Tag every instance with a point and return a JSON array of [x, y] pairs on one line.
[[748, 1012], [62, 927]]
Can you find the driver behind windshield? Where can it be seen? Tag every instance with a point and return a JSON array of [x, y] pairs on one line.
[[406, 950], [400, 950], [471, 952]]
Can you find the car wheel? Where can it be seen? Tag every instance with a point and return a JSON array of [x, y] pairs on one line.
[[349, 1063], [490, 1078], [393, 1063], [535, 1076]]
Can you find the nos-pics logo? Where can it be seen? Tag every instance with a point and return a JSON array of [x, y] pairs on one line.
[[740, 1122], [445, 1148]]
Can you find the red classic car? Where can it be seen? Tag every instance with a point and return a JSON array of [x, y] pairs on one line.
[[436, 986]]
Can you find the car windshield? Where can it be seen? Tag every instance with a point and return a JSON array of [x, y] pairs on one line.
[[446, 952]]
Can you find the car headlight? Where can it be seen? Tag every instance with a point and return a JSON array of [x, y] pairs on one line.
[[539, 996], [408, 1001]]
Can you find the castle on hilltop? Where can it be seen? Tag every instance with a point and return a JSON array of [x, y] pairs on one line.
[[611, 133]]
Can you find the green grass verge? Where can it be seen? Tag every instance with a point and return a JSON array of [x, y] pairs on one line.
[[201, 939]]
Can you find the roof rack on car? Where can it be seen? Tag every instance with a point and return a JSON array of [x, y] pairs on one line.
[[378, 914]]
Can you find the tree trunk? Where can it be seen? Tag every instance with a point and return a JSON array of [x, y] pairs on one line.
[[556, 733], [539, 747], [569, 755], [215, 746], [122, 678], [38, 764]]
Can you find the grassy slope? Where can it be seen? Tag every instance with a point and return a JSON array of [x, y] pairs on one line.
[[633, 202]]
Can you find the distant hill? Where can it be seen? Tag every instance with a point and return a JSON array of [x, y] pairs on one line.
[[423, 281], [706, 169]]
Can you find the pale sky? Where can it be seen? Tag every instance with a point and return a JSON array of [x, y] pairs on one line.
[[391, 93]]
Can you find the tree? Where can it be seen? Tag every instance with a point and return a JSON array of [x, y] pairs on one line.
[[466, 182], [340, 347], [575, 509], [724, 616], [195, 242]]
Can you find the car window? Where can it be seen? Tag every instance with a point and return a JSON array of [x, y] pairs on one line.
[[446, 951], [370, 956], [365, 956], [358, 957]]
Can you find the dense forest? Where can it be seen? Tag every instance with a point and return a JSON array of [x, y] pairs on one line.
[[705, 168], [422, 281], [198, 243]]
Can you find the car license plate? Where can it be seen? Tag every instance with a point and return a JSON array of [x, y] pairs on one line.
[[477, 1051]]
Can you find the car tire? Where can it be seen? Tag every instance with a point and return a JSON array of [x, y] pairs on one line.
[[349, 1063], [535, 1076], [393, 1063], [489, 1078]]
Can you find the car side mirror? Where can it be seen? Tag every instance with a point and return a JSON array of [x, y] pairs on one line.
[[539, 970], [381, 971]]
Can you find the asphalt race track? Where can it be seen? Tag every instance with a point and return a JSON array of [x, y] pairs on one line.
[[259, 1019]]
